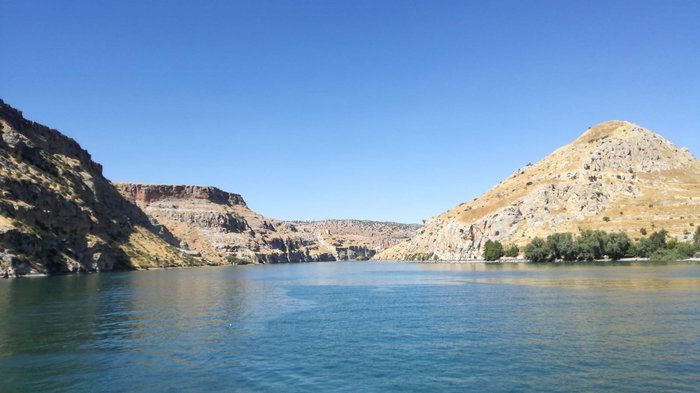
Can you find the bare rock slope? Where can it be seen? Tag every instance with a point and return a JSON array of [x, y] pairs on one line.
[[59, 214], [617, 176], [220, 227]]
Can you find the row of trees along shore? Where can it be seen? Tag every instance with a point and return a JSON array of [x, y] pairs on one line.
[[591, 245]]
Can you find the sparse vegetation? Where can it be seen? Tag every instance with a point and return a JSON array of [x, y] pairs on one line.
[[234, 260], [419, 256]]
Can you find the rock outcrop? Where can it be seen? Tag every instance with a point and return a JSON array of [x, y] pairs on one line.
[[617, 176], [59, 214], [221, 228]]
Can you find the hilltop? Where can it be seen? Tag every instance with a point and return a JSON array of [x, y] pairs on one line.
[[617, 176]]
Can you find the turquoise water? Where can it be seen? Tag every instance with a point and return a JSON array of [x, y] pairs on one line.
[[356, 327]]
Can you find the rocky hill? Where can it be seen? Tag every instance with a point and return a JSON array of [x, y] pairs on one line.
[[59, 214], [349, 235], [219, 226], [617, 176]]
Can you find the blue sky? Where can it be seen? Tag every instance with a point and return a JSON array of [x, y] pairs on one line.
[[385, 110]]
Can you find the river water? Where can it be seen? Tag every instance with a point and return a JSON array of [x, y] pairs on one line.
[[356, 326]]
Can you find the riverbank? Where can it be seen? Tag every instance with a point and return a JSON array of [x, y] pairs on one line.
[[77, 273], [145, 269], [454, 262], [522, 260]]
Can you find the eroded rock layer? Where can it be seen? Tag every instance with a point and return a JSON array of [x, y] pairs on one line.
[[221, 228]]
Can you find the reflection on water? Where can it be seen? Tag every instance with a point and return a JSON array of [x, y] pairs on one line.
[[638, 284], [356, 326]]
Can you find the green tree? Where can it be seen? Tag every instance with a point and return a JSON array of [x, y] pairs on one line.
[[537, 251], [590, 245], [493, 250], [658, 239], [512, 251], [645, 247], [696, 238], [561, 246], [617, 245]]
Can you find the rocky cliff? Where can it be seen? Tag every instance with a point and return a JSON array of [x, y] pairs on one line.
[[219, 226], [59, 214], [616, 176]]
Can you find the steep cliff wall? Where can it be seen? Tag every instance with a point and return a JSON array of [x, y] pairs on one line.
[[59, 214]]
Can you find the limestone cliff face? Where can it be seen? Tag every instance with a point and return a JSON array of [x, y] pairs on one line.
[[616, 176], [59, 214], [219, 225], [154, 193]]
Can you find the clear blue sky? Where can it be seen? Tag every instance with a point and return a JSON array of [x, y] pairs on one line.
[[386, 110]]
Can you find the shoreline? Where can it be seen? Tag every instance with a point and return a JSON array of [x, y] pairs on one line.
[[78, 273], [520, 260], [451, 262]]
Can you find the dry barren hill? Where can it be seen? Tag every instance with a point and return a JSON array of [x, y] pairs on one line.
[[617, 176], [220, 226], [345, 234], [59, 214]]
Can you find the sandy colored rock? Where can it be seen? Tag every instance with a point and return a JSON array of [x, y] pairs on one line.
[[617, 176], [220, 227]]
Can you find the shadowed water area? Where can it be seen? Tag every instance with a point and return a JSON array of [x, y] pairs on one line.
[[356, 326]]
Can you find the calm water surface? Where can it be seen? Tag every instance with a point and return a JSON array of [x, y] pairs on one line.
[[356, 327]]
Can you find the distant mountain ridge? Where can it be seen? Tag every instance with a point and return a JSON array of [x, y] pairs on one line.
[[220, 226], [616, 176]]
